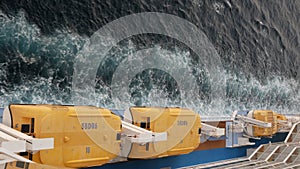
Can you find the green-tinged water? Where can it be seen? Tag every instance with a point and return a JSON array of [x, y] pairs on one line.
[[257, 43]]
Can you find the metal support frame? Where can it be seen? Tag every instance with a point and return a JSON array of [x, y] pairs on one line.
[[254, 121], [13, 141], [212, 130], [32, 144], [139, 135], [8, 156]]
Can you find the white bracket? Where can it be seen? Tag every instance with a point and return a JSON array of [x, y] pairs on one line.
[[8, 156], [254, 121], [139, 135], [12, 144], [32, 144], [212, 130]]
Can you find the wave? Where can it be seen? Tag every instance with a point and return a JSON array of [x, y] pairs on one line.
[[38, 68]]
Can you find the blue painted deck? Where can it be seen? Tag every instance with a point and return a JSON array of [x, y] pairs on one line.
[[194, 158]]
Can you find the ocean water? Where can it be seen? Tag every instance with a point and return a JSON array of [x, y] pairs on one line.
[[257, 43]]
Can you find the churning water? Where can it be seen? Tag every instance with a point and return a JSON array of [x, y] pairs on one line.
[[258, 48]]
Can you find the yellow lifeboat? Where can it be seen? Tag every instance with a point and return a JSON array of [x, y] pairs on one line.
[[268, 116], [183, 129], [24, 165], [83, 135]]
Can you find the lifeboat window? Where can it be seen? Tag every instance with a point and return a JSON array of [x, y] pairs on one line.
[[87, 150], [143, 124], [32, 125], [20, 164], [25, 128], [118, 136], [23, 153], [30, 156]]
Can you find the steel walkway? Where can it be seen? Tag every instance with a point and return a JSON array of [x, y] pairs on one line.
[[279, 155]]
